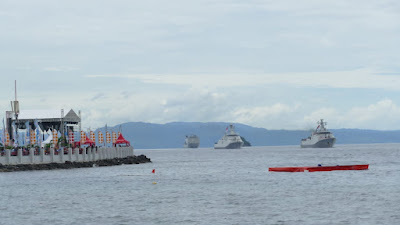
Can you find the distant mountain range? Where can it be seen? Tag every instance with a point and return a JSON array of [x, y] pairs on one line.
[[172, 135]]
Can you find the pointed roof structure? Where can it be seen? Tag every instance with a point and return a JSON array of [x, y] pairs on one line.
[[89, 141], [122, 140], [72, 116]]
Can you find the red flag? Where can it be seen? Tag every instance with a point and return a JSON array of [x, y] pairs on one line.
[[154, 171]]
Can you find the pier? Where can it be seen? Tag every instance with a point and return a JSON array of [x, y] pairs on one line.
[[40, 156]]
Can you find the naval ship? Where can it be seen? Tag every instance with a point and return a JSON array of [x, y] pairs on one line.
[[320, 138], [191, 141], [230, 140]]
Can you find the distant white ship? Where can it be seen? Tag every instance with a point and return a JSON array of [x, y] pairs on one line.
[[191, 141], [230, 140], [320, 138]]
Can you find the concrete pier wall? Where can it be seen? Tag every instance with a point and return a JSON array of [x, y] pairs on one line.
[[33, 156]]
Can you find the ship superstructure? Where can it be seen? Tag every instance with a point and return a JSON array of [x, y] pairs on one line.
[[191, 141]]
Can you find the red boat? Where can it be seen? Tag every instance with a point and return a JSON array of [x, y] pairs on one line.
[[318, 168]]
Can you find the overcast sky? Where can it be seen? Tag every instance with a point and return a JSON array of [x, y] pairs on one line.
[[271, 64]]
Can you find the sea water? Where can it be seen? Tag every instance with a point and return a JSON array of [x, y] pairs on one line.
[[207, 186]]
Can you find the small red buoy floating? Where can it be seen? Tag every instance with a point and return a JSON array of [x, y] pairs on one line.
[[318, 168]]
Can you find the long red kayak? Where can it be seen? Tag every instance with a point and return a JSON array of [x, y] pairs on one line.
[[318, 168]]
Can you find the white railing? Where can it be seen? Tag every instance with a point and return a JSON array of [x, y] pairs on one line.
[[74, 155]]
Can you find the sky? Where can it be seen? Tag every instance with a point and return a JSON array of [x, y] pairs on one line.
[[271, 64]]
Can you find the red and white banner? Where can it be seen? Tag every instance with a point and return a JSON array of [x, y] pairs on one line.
[[101, 139], [93, 136], [33, 137], [55, 136], [108, 137], [114, 137], [83, 137], [71, 137]]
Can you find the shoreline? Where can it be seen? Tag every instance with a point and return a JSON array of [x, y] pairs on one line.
[[72, 165]]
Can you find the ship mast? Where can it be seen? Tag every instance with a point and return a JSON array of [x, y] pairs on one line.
[[322, 124]]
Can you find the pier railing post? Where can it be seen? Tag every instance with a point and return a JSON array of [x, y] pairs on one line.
[[84, 154], [8, 155], [101, 153], [94, 153], [61, 154], [76, 153], [20, 155], [89, 152], [70, 154], [52, 155], [32, 155], [41, 155]]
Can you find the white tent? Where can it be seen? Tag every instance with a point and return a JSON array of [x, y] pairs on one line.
[[48, 139]]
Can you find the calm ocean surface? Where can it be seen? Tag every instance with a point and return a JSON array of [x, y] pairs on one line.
[[207, 186]]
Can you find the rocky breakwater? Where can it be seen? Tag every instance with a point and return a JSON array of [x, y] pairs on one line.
[[71, 165]]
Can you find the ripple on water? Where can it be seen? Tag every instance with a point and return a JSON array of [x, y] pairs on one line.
[[213, 187]]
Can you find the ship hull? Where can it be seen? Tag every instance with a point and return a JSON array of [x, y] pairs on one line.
[[318, 168], [325, 143], [192, 145], [234, 145]]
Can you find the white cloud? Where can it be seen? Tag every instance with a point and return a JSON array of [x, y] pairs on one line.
[[382, 115], [276, 116], [267, 63], [60, 69], [363, 78], [330, 115]]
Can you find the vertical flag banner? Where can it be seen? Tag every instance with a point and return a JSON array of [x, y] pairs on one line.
[[55, 136], [13, 133], [28, 132], [83, 137], [101, 139], [4, 133], [38, 136], [114, 137], [108, 137], [33, 137], [93, 136], [7, 138], [37, 130], [71, 138]]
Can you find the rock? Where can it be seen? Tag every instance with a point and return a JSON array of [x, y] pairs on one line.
[[71, 165]]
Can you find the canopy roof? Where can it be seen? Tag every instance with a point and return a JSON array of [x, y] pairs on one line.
[[122, 140], [47, 114], [45, 119], [87, 142]]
